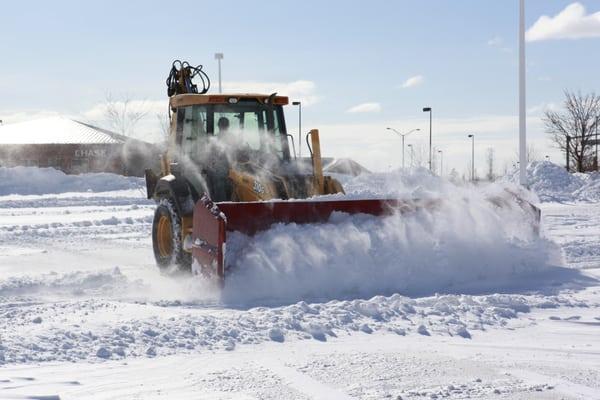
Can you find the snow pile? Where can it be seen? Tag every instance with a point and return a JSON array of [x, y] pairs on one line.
[[95, 329], [590, 190], [33, 180], [552, 183]]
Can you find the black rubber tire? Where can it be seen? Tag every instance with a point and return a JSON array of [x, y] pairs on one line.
[[169, 258]]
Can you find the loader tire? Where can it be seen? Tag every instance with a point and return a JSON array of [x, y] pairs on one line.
[[166, 238]]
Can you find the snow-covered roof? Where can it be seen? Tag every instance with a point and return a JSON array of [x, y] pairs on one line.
[[56, 130], [346, 166]]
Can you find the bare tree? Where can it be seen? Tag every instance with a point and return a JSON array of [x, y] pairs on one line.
[[435, 161], [577, 122], [124, 114], [505, 169], [470, 174], [453, 175], [532, 154], [164, 125], [489, 159]]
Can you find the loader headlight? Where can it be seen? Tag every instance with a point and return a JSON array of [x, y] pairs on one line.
[[232, 100]]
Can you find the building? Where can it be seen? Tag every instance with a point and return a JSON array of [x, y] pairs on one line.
[[73, 147]]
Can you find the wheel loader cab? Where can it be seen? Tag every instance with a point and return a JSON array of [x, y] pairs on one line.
[[214, 133]]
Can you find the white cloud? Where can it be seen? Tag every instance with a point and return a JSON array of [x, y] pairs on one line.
[[542, 107], [570, 23], [365, 108], [498, 42], [413, 81], [495, 41], [301, 90]]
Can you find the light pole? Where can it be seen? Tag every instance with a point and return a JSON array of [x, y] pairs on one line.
[[428, 109], [403, 135], [597, 116], [299, 104], [219, 57], [412, 155], [441, 153], [522, 98], [472, 157]]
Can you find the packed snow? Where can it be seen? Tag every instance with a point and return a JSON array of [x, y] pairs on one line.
[[33, 180], [405, 307], [552, 183]]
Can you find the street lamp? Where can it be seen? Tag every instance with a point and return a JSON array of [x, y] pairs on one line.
[[299, 104], [412, 155], [472, 157], [596, 158], [403, 135], [522, 98], [441, 153], [428, 109], [219, 57]]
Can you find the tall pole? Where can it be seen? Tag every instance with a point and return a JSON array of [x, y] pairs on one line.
[[403, 135], [430, 166], [441, 162], [299, 104], [403, 151], [219, 57], [596, 141], [299, 129], [428, 109], [472, 157], [567, 152], [522, 98]]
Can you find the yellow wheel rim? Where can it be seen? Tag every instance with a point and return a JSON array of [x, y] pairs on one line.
[[165, 238]]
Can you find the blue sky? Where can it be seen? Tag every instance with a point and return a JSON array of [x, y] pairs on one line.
[[64, 56]]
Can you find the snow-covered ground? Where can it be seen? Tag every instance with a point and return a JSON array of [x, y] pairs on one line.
[[461, 302]]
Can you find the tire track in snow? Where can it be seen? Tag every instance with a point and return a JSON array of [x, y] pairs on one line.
[[561, 385], [304, 383]]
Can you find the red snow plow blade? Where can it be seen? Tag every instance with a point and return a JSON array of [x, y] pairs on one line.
[[212, 221]]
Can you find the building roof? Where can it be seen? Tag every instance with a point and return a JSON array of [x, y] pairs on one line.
[[56, 130]]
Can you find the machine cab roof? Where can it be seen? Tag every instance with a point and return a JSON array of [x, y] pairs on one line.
[[182, 100]]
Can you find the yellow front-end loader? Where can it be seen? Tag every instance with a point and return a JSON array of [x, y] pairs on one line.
[[229, 167]]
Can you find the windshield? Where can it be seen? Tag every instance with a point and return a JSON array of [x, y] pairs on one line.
[[246, 125]]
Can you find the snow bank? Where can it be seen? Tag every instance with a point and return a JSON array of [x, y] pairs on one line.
[[33, 180], [95, 329], [552, 182]]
